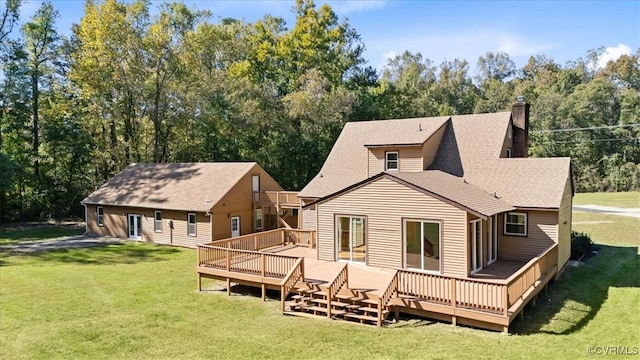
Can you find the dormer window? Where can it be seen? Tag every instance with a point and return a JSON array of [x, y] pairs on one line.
[[391, 161], [510, 131]]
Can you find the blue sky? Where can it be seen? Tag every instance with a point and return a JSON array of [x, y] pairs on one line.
[[445, 30]]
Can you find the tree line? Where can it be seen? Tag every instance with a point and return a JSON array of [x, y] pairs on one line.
[[134, 83]]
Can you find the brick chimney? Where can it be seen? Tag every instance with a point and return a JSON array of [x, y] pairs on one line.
[[520, 118]]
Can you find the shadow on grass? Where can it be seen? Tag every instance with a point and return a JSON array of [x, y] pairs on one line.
[[126, 253], [576, 298]]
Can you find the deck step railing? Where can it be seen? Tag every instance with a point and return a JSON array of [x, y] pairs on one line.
[[289, 281], [383, 301], [342, 279]]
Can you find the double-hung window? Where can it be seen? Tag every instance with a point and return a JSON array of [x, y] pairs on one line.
[[157, 221], [258, 219], [391, 161], [515, 223], [100, 216], [191, 224]]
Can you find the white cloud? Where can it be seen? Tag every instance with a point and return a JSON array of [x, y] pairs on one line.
[[389, 55], [467, 45], [612, 54]]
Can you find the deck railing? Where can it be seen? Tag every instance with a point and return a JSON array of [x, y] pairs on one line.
[[277, 198], [524, 279], [293, 276], [489, 295], [301, 237], [342, 279], [383, 300], [245, 261], [254, 242]]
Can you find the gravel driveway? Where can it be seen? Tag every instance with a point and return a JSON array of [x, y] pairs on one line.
[[66, 242], [608, 210]]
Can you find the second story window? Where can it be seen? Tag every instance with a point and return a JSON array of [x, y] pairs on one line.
[[391, 161]]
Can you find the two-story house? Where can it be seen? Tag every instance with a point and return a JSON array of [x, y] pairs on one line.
[[445, 195]]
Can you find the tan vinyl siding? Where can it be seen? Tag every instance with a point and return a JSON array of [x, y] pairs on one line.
[[410, 159], [385, 204], [115, 225], [542, 231], [239, 202], [430, 147], [222, 223], [564, 225], [178, 235], [309, 218]]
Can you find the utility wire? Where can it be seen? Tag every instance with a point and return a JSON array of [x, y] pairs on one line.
[[583, 140], [586, 128]]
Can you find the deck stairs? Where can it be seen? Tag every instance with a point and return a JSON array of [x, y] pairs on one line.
[[311, 299]]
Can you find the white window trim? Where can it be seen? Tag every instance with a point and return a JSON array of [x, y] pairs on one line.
[[99, 218], [474, 251], [404, 245], [493, 239], [195, 224], [526, 223], [510, 131], [258, 218], [157, 224], [386, 160]]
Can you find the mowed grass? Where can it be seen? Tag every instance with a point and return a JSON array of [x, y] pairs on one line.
[[140, 301], [621, 199], [35, 233]]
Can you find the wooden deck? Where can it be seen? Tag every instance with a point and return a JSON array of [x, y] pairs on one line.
[[286, 260]]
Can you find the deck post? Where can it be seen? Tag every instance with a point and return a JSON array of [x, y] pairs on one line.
[[282, 297], [262, 264], [329, 296], [264, 292], [396, 314], [255, 243], [453, 293], [199, 282], [228, 287], [505, 301], [454, 320], [228, 260], [379, 312], [505, 330]]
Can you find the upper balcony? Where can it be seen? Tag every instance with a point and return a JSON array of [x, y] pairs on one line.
[[278, 199]]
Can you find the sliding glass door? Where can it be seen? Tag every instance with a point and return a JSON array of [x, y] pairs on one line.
[[422, 245], [351, 239]]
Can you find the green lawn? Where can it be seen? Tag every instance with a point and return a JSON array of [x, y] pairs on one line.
[[35, 233], [140, 301], [621, 199]]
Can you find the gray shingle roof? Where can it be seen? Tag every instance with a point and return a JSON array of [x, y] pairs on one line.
[[347, 161], [470, 149], [456, 190], [523, 182], [176, 186]]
